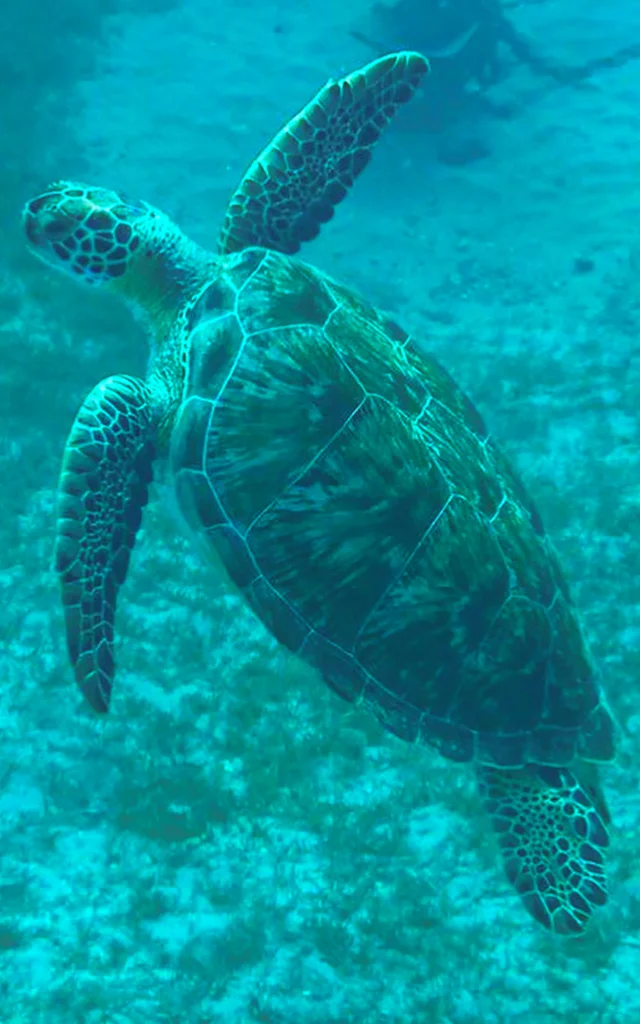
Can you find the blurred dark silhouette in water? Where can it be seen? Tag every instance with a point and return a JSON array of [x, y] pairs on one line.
[[472, 46], [463, 40]]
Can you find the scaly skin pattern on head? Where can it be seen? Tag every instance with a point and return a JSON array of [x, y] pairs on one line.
[[103, 238]]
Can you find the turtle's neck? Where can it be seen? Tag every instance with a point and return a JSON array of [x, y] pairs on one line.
[[164, 277], [166, 272]]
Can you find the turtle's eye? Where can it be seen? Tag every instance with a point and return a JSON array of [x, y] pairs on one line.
[[58, 226]]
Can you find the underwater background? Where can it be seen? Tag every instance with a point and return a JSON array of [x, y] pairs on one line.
[[234, 844]]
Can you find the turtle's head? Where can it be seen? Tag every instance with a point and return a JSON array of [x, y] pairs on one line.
[[106, 239], [93, 234]]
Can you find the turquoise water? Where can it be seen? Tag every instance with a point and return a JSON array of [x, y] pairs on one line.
[[233, 844]]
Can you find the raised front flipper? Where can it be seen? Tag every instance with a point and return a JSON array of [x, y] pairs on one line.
[[104, 483], [552, 834], [292, 188]]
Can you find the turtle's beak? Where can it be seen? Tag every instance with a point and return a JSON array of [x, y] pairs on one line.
[[30, 224], [36, 220]]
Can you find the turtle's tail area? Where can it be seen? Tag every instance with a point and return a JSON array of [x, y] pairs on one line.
[[552, 832]]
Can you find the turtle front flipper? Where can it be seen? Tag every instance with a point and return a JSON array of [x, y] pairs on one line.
[[552, 832], [104, 484], [292, 188]]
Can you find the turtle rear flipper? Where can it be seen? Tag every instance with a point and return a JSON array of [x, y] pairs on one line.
[[293, 186], [104, 483], [552, 832]]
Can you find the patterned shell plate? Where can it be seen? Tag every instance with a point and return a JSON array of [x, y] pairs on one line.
[[353, 495]]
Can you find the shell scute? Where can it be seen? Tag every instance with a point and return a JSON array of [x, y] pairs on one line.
[[359, 342], [340, 670], [520, 636], [355, 480], [215, 300], [450, 591], [393, 712], [199, 504], [516, 487], [282, 294], [235, 554], [596, 739], [525, 552], [505, 750], [189, 437], [571, 695], [279, 617], [292, 384], [240, 267], [462, 457], [552, 745], [443, 389], [449, 738], [215, 346]]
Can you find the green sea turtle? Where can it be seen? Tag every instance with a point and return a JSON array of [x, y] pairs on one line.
[[345, 483]]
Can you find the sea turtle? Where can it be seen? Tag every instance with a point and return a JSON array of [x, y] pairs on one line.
[[343, 480]]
